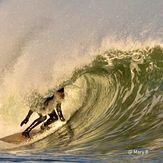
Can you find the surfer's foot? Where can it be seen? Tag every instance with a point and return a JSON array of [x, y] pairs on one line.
[[26, 134], [43, 127]]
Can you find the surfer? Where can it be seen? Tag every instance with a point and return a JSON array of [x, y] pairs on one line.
[[47, 109]]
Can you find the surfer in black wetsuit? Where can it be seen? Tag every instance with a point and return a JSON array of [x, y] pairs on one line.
[[47, 109]]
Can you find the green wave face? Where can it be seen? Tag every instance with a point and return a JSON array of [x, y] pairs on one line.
[[123, 103], [120, 96]]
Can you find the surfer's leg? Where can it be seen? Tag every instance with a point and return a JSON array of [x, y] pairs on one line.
[[33, 125], [53, 118], [59, 111]]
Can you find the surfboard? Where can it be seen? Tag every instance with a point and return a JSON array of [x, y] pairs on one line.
[[18, 138]]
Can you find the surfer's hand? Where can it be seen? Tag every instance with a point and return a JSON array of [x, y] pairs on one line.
[[62, 119], [24, 122]]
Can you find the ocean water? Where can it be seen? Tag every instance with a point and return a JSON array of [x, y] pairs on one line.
[[109, 58]]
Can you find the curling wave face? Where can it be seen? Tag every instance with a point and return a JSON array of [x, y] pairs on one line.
[[123, 108], [117, 105]]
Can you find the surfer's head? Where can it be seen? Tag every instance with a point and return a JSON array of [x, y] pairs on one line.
[[60, 93], [61, 90]]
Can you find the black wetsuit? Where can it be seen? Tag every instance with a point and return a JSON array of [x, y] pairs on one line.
[[46, 109]]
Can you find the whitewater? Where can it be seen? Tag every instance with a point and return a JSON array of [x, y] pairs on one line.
[[109, 58]]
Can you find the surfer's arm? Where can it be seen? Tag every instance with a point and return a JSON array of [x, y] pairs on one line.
[[59, 111], [27, 118]]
